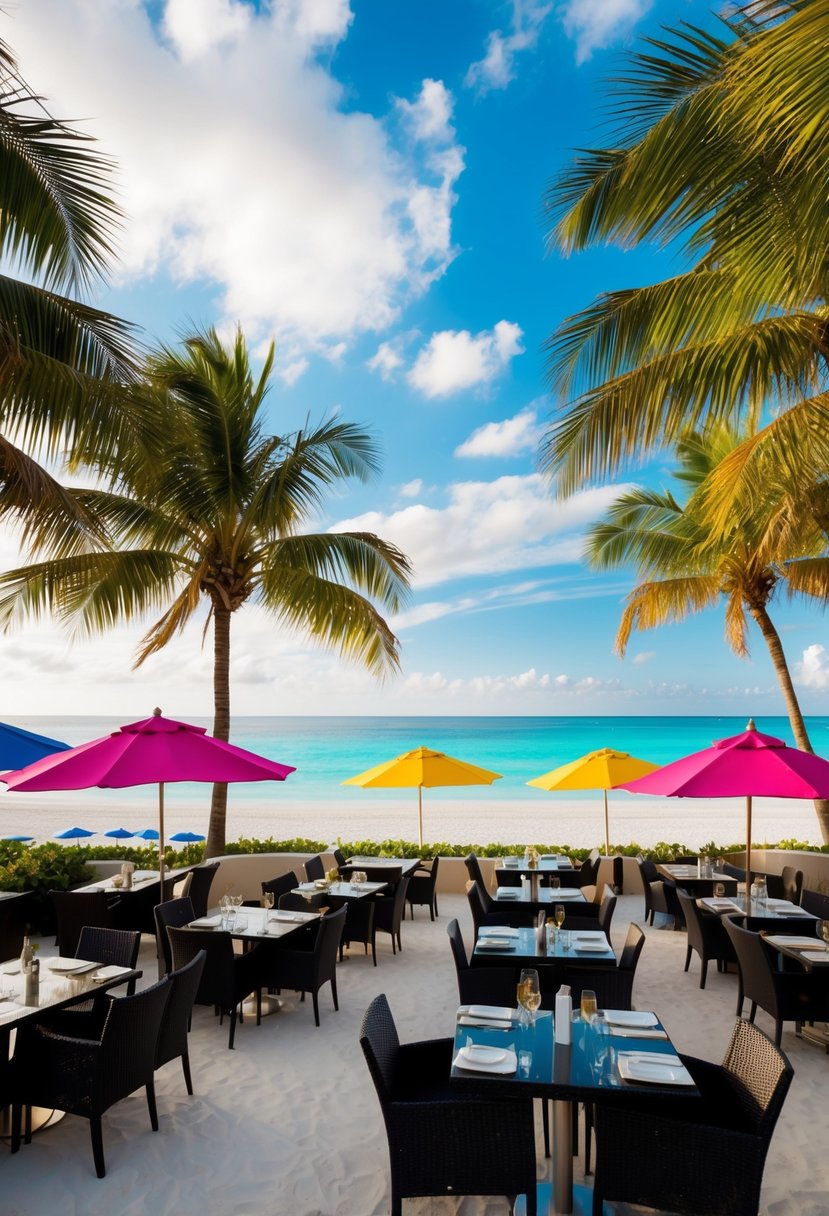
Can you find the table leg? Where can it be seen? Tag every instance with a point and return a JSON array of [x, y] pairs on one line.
[[562, 1156]]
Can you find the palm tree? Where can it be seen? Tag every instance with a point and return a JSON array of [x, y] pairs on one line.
[[213, 517], [683, 570], [715, 148], [59, 358]]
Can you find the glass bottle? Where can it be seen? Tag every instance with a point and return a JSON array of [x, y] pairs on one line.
[[26, 955]]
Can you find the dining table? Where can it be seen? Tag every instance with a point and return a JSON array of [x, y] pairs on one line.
[[405, 865], [624, 1052], [691, 880], [548, 863], [580, 947], [774, 915], [63, 982], [544, 897], [340, 890], [141, 880]]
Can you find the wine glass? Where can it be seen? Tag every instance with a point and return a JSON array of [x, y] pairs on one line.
[[558, 915], [224, 907], [529, 994], [555, 883], [589, 1005], [267, 902], [823, 930]]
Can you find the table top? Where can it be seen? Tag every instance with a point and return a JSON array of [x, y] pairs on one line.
[[796, 948], [57, 989], [686, 876], [404, 864], [546, 865], [769, 910], [13, 894], [522, 944], [546, 895], [341, 890], [141, 879], [254, 924], [587, 1066]]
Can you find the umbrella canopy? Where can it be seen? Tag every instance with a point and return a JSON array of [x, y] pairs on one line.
[[743, 765], [419, 768], [72, 833], [187, 837], [120, 834], [19, 747], [147, 834], [155, 750], [22, 838], [599, 770]]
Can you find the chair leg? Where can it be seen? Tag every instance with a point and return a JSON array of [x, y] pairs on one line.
[[752, 1013], [778, 1031], [431, 912], [258, 1006], [232, 1034], [703, 973], [97, 1145], [17, 1114], [185, 1068], [334, 992], [687, 958], [588, 1135], [315, 996], [151, 1106], [545, 1123]]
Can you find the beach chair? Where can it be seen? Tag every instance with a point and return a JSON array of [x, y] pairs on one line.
[[175, 1024]]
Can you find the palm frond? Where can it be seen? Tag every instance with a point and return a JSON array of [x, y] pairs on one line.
[[672, 599], [361, 559]]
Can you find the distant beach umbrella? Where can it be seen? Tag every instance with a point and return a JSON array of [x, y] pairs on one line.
[[22, 839], [120, 834], [422, 767], [599, 770], [19, 747], [743, 765], [147, 834], [154, 751], [187, 837], [73, 834]]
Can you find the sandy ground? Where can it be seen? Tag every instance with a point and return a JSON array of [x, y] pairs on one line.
[[288, 1123], [375, 816]]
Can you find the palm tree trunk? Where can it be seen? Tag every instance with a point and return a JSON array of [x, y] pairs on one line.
[[216, 832], [784, 679]]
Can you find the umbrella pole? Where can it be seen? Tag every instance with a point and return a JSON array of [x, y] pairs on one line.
[[420, 816], [748, 844], [161, 837], [606, 827]]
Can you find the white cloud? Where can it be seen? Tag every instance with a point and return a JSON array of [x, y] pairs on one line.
[[509, 437], [496, 69], [385, 360], [644, 656], [291, 372], [813, 669], [241, 166], [511, 523], [411, 489], [594, 24], [453, 360], [515, 595]]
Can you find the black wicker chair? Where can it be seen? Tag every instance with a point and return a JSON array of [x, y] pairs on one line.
[[798, 996], [697, 1157], [314, 868], [816, 903], [87, 1076], [423, 887], [110, 948], [175, 912], [480, 985], [201, 880], [340, 858], [500, 914], [588, 872], [444, 1139], [175, 1024], [476, 874], [281, 886], [306, 970], [227, 978], [706, 935], [388, 914], [792, 884], [73, 910], [577, 918]]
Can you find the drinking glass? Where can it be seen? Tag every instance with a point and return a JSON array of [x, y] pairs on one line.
[[555, 883], [823, 929], [558, 916], [589, 1005], [231, 917], [224, 905], [719, 889], [529, 994]]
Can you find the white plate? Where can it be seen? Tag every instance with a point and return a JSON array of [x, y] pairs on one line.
[[506, 1066], [508, 893], [630, 1017], [206, 922], [493, 1012], [591, 947], [497, 931], [495, 943], [478, 1053], [68, 965], [655, 1069], [110, 972]]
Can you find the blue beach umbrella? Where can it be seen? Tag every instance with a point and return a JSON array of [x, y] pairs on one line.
[[120, 834], [73, 834], [20, 747], [22, 839], [188, 837], [146, 834]]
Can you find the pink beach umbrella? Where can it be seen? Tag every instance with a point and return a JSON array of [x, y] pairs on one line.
[[155, 750], [743, 766]]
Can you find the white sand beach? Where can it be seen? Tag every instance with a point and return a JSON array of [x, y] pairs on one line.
[[288, 1123], [377, 816]]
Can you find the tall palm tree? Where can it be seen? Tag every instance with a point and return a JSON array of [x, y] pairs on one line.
[[59, 358], [716, 146], [682, 569], [213, 517]]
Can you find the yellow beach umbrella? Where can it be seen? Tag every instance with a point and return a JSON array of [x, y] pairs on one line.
[[599, 770], [422, 767]]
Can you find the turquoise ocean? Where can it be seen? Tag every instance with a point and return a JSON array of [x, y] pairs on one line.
[[327, 750]]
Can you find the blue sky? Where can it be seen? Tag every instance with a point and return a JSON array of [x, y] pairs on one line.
[[363, 182]]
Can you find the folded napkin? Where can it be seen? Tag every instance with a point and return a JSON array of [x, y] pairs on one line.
[[296, 918], [497, 931], [508, 893], [481, 1012], [816, 956], [564, 893], [589, 935], [632, 1032], [475, 1058], [484, 1024], [652, 1057], [796, 943], [495, 943], [721, 905], [206, 922], [630, 1017], [110, 972]]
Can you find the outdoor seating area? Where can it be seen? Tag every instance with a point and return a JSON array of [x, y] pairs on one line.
[[323, 1165]]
